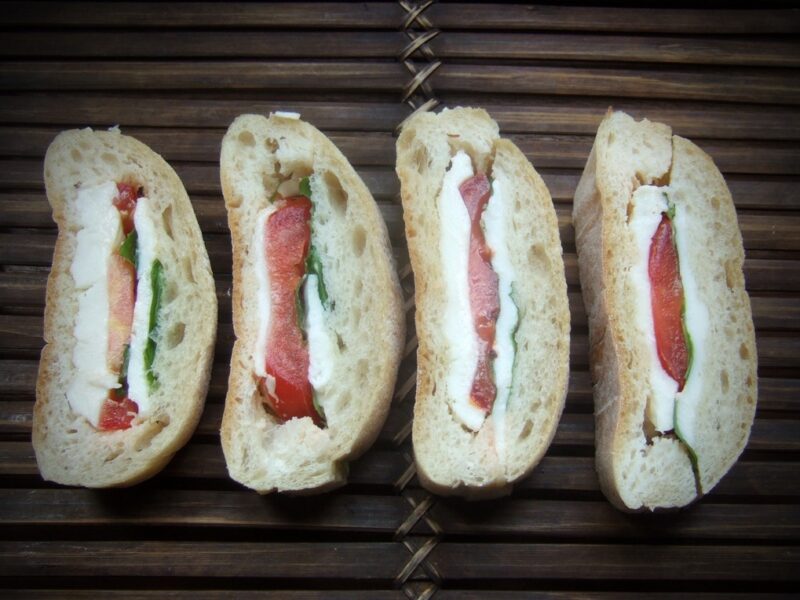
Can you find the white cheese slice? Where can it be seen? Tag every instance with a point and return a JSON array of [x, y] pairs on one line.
[[146, 220], [697, 324], [321, 349], [99, 235], [648, 203], [263, 304], [494, 224], [461, 339], [286, 114]]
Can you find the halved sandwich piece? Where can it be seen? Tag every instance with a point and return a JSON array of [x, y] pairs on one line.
[[317, 309], [131, 314], [491, 297], [672, 344]]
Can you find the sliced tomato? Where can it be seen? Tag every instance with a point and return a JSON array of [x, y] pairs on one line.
[[483, 290], [287, 238], [121, 299], [125, 201], [667, 303], [117, 413]]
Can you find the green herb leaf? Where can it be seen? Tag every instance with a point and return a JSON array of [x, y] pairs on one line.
[[670, 209], [128, 248], [157, 283], [314, 265], [305, 187], [300, 305]]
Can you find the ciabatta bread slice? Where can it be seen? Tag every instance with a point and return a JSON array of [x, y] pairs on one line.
[[261, 158], [453, 458], [640, 467], [69, 449]]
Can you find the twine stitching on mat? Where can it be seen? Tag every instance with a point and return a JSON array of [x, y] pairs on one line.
[[418, 94]]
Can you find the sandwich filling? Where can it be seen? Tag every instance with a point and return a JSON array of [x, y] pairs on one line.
[[294, 353], [120, 283], [669, 312], [481, 317]]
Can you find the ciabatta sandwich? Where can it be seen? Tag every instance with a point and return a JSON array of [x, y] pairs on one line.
[[491, 298], [130, 318], [672, 345], [317, 309]]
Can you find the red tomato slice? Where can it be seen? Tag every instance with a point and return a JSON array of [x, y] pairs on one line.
[[121, 298], [125, 201], [483, 290], [287, 238], [667, 303], [117, 413]]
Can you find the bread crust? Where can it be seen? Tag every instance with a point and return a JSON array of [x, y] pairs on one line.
[[450, 459], [639, 470], [298, 457], [68, 449]]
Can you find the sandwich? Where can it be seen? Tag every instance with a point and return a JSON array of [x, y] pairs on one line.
[[317, 310], [492, 314], [130, 315], [672, 345]]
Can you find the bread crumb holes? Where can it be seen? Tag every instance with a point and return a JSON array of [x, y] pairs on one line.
[[359, 240], [175, 335], [246, 139], [336, 193]]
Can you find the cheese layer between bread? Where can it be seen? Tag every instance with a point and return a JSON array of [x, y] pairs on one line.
[[146, 221], [667, 408], [459, 328], [321, 349], [99, 236]]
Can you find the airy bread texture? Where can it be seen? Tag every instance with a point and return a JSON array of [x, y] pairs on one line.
[[638, 468], [450, 458], [366, 319], [69, 450]]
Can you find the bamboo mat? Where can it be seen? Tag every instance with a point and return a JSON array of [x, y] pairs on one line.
[[176, 74]]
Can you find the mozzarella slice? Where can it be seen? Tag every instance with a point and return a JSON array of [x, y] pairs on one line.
[[100, 235], [146, 222], [258, 253], [461, 339], [697, 324], [494, 224], [321, 349]]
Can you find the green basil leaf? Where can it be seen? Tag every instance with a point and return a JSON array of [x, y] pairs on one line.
[[158, 283], [300, 306], [670, 209], [314, 265], [129, 247], [305, 187]]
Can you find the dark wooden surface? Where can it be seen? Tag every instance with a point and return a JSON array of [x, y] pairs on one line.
[[175, 76]]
